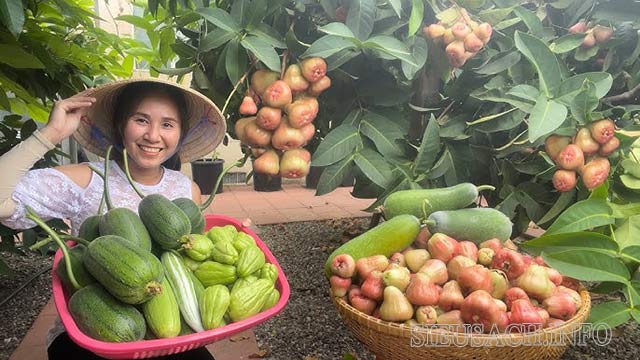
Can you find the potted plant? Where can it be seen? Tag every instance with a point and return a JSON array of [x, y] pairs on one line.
[[206, 171]]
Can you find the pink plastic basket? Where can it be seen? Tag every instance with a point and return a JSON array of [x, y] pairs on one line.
[[160, 347]]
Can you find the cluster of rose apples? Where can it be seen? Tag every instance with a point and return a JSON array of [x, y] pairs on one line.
[[277, 131], [584, 154], [461, 40], [593, 34], [440, 280]]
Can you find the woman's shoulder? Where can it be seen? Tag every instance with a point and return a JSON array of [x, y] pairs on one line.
[[78, 173]]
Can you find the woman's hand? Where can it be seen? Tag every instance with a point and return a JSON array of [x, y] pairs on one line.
[[65, 117]]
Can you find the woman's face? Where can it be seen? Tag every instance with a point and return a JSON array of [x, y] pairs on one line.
[[152, 132]]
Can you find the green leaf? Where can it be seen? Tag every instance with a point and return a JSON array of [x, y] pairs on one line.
[[443, 165], [497, 95], [137, 21], [270, 35], [573, 85], [429, 148], [610, 314], [631, 167], [583, 240], [4, 100], [587, 265], [494, 16], [240, 10], [263, 51], [545, 62], [361, 17], [327, 46], [383, 132], [627, 233], [235, 61], [531, 20], [584, 103], [499, 63], [566, 43], [419, 54], [490, 117], [585, 214], [525, 92], [342, 57], [630, 181], [392, 46], [396, 5], [219, 18], [546, 116], [373, 166], [338, 29], [625, 211], [173, 71], [15, 56], [333, 175], [338, 144], [417, 13], [631, 253], [12, 16], [215, 39]]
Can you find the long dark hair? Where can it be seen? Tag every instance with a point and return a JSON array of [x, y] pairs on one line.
[[128, 101]]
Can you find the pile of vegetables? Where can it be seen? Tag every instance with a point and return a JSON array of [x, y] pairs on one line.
[[159, 274], [455, 267]]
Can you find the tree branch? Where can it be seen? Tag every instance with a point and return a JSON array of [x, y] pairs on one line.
[[623, 98]]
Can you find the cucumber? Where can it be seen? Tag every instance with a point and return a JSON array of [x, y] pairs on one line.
[[90, 228], [83, 277], [130, 273], [474, 224], [166, 222], [385, 239], [102, 317], [193, 212], [423, 202], [184, 289]]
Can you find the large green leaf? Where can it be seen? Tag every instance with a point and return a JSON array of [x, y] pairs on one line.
[[419, 54], [240, 10], [583, 240], [499, 63], [333, 175], [137, 21], [531, 20], [609, 314], [546, 116], [263, 51], [219, 18], [563, 201], [338, 29], [396, 5], [269, 34], [498, 95], [584, 103], [496, 15], [585, 214], [12, 15], [338, 144], [391, 46], [628, 233], [215, 39], [383, 132], [373, 166], [15, 56], [588, 265], [573, 85], [631, 253], [566, 43], [327, 46], [235, 61], [417, 14], [625, 211], [442, 165], [545, 62], [429, 148], [361, 17]]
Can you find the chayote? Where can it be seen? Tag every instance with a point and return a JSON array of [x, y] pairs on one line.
[[247, 301]]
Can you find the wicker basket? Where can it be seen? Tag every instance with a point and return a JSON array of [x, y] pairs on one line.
[[390, 340]]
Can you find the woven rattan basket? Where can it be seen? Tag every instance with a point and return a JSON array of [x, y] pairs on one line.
[[391, 341]]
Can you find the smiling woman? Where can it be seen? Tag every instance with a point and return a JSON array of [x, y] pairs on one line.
[[156, 122]]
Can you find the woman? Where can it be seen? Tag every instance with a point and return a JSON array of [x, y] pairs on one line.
[[155, 121]]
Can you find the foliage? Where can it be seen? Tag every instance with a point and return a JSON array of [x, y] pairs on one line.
[[51, 50]]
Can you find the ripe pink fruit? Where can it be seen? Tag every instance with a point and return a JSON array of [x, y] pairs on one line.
[[434, 31], [509, 261], [339, 285], [343, 265], [269, 118], [313, 69], [609, 147], [564, 180], [514, 293], [436, 269], [560, 305], [248, 106], [578, 27], [602, 34], [479, 308], [595, 172], [422, 291], [485, 256], [524, 314], [472, 43], [398, 259], [426, 314], [554, 276], [316, 88], [554, 144], [589, 41], [493, 244], [483, 31], [571, 157], [476, 277], [364, 266], [535, 281], [453, 320], [373, 286], [455, 265], [277, 95], [469, 249], [451, 296], [602, 130], [443, 247]]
